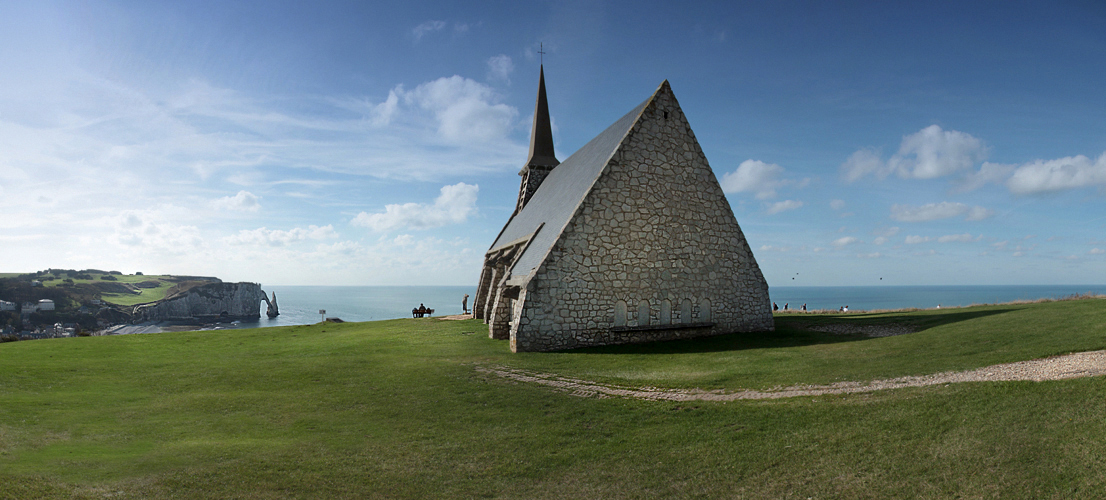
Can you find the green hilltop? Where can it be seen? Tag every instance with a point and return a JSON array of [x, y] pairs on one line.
[[81, 296], [409, 409]]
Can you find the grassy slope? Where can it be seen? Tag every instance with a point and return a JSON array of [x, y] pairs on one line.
[[395, 409], [124, 299]]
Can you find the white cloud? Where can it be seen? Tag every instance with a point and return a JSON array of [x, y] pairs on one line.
[[277, 238], [783, 206], [1096, 251], [887, 231], [427, 27], [936, 211], [500, 68], [932, 152], [861, 163], [914, 240], [455, 204], [979, 213], [989, 173], [837, 204], [465, 110], [382, 113], [845, 241], [154, 231], [758, 177], [1056, 175], [926, 154], [882, 234], [244, 201], [959, 238]]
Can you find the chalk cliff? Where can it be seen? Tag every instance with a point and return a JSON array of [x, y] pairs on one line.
[[208, 302], [273, 311]]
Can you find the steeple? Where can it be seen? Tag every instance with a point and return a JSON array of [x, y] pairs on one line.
[[541, 135], [542, 158]]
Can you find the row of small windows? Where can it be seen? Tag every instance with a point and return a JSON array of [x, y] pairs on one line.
[[644, 314]]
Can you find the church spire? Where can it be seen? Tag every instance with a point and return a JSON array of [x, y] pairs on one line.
[[541, 136], [542, 158]]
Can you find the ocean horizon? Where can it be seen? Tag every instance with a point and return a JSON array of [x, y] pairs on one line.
[[301, 305]]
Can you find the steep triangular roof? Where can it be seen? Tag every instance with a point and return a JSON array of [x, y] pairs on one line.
[[564, 189], [541, 135]]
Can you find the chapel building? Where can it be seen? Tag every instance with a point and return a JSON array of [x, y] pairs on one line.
[[630, 239]]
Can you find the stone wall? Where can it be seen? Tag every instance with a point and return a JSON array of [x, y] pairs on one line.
[[653, 253]]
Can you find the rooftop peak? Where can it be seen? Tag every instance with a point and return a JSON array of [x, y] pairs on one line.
[[541, 136]]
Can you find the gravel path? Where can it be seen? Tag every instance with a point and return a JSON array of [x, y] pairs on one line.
[[866, 330], [1083, 364]]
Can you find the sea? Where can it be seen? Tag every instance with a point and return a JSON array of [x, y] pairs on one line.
[[869, 298], [301, 305]]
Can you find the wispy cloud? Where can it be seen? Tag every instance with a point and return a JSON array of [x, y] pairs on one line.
[[783, 206], [277, 237], [883, 234], [500, 68], [929, 153], [958, 238], [464, 110], [937, 211], [845, 241], [244, 201], [455, 205], [989, 173], [758, 177], [427, 27]]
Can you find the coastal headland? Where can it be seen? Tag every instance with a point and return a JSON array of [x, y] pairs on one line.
[[65, 303]]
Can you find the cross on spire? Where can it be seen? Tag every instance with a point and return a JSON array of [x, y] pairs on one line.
[[540, 51]]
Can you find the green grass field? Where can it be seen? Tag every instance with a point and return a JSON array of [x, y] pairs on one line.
[[123, 299], [397, 409]]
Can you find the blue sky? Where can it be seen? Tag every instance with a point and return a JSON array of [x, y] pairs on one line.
[[295, 143]]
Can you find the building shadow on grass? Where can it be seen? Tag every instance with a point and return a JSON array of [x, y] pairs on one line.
[[796, 330]]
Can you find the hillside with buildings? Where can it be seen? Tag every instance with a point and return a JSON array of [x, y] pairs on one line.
[[67, 302]]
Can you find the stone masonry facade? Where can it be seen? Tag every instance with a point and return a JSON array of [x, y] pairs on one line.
[[654, 252]]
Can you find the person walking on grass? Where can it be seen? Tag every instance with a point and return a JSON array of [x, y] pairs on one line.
[[465, 304]]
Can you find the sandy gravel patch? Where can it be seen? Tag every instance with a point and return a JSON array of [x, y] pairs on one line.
[[455, 317], [872, 331], [1083, 364]]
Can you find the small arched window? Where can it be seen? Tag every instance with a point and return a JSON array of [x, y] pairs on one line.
[[705, 314], [666, 312], [620, 313], [685, 311], [643, 313]]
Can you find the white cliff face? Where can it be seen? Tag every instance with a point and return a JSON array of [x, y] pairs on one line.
[[241, 301]]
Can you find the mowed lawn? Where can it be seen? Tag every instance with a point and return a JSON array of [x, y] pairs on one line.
[[397, 409]]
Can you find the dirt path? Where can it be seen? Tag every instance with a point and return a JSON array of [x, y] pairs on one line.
[[1083, 364], [455, 317]]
